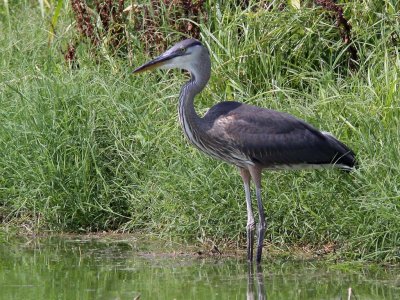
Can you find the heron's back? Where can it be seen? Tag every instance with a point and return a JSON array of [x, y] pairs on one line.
[[244, 134]]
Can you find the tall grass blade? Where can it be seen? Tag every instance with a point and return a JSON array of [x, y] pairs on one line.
[[41, 5], [7, 12], [295, 3], [54, 20]]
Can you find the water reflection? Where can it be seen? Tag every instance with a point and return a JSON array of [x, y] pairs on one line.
[[77, 268], [259, 281]]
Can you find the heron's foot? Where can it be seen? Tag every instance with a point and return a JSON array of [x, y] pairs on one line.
[[250, 228], [261, 233]]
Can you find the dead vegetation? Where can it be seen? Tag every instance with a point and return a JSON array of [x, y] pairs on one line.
[[344, 28], [104, 24]]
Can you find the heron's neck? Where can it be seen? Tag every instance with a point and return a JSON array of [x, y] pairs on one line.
[[189, 119]]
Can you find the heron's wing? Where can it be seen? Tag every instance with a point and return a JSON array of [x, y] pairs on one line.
[[268, 137]]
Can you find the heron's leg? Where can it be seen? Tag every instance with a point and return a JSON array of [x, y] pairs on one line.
[[250, 218], [256, 176]]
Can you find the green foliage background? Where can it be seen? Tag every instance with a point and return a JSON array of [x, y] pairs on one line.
[[96, 148]]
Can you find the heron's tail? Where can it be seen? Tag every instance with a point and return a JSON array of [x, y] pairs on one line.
[[345, 158]]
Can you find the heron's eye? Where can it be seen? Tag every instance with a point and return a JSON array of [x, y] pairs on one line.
[[182, 50]]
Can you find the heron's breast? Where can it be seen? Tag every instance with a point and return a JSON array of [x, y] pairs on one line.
[[221, 147]]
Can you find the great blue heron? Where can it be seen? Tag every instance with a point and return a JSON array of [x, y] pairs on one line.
[[250, 137]]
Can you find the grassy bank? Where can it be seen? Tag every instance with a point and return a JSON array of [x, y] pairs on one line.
[[99, 149]]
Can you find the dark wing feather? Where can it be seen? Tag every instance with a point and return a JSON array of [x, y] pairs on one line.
[[272, 138]]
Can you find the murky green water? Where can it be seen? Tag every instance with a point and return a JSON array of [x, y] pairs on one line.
[[81, 268]]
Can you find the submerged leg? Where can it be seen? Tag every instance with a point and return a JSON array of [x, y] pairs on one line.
[[260, 292], [256, 176], [250, 283], [260, 284], [250, 218]]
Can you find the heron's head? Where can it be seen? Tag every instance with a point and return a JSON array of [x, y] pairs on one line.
[[187, 54]]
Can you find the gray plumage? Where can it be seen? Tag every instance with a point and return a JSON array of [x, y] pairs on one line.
[[269, 138], [250, 137]]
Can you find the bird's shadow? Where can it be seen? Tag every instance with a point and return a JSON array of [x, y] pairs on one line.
[[255, 280]]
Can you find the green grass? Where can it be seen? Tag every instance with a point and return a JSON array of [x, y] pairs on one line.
[[100, 149]]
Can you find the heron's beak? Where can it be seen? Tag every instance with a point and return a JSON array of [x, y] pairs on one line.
[[155, 63]]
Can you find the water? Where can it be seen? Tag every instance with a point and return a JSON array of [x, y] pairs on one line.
[[110, 268]]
